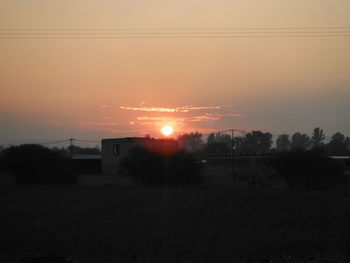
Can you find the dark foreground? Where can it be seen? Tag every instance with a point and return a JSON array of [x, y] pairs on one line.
[[124, 224]]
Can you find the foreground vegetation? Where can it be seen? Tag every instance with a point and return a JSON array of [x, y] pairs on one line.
[[151, 168], [155, 224]]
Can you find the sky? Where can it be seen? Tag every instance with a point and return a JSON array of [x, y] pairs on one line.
[[54, 88]]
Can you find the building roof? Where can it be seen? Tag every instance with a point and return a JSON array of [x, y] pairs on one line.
[[340, 157]]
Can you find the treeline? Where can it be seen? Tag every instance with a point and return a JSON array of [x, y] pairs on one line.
[[36, 164], [262, 142], [301, 160], [67, 151], [338, 144]]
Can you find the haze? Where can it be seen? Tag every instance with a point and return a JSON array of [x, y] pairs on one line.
[[106, 87]]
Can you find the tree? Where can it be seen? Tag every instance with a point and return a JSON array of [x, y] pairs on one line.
[[223, 138], [211, 138], [218, 143], [283, 142], [62, 151], [338, 145], [150, 167], [317, 137], [238, 143], [300, 141], [81, 150], [256, 141], [347, 142], [308, 169], [190, 142], [217, 147], [32, 163]]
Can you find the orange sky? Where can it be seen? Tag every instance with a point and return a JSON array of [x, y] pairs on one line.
[[61, 88]]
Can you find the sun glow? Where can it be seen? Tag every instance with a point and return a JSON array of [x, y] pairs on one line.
[[167, 130]]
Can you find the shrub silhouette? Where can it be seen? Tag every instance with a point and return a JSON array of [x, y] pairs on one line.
[[151, 168], [33, 163], [183, 169], [308, 169], [144, 166]]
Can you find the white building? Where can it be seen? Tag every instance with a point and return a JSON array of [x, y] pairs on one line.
[[115, 150]]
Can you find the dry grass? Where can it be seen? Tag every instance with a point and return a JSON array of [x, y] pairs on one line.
[[179, 224]]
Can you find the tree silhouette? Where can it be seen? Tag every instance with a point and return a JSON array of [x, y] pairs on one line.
[[256, 141], [218, 143], [347, 142], [217, 147], [32, 163], [317, 137], [300, 141], [223, 138], [338, 145], [190, 142], [150, 167], [211, 138], [283, 142]]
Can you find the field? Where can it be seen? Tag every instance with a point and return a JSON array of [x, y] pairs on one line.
[[178, 224]]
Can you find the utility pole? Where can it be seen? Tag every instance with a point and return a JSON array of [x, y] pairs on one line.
[[232, 141], [71, 145], [233, 158], [232, 149]]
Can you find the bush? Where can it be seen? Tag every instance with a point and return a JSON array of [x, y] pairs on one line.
[[308, 169], [144, 166], [151, 168], [33, 163], [183, 169]]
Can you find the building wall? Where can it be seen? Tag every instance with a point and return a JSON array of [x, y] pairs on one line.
[[115, 150], [110, 158]]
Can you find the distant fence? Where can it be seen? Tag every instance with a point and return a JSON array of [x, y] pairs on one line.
[[241, 170], [225, 159]]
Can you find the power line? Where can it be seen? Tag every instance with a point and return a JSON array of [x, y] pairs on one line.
[[87, 141], [170, 28], [205, 32], [65, 141], [182, 37], [176, 32], [185, 33], [54, 142]]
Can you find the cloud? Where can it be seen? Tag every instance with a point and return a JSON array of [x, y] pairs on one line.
[[98, 123], [184, 109], [149, 109], [142, 119], [212, 117], [185, 115], [162, 120], [172, 119], [192, 108], [205, 117]]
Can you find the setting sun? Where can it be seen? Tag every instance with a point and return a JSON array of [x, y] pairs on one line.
[[167, 130]]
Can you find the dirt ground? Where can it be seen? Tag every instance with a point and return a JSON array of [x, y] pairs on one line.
[[177, 224]]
